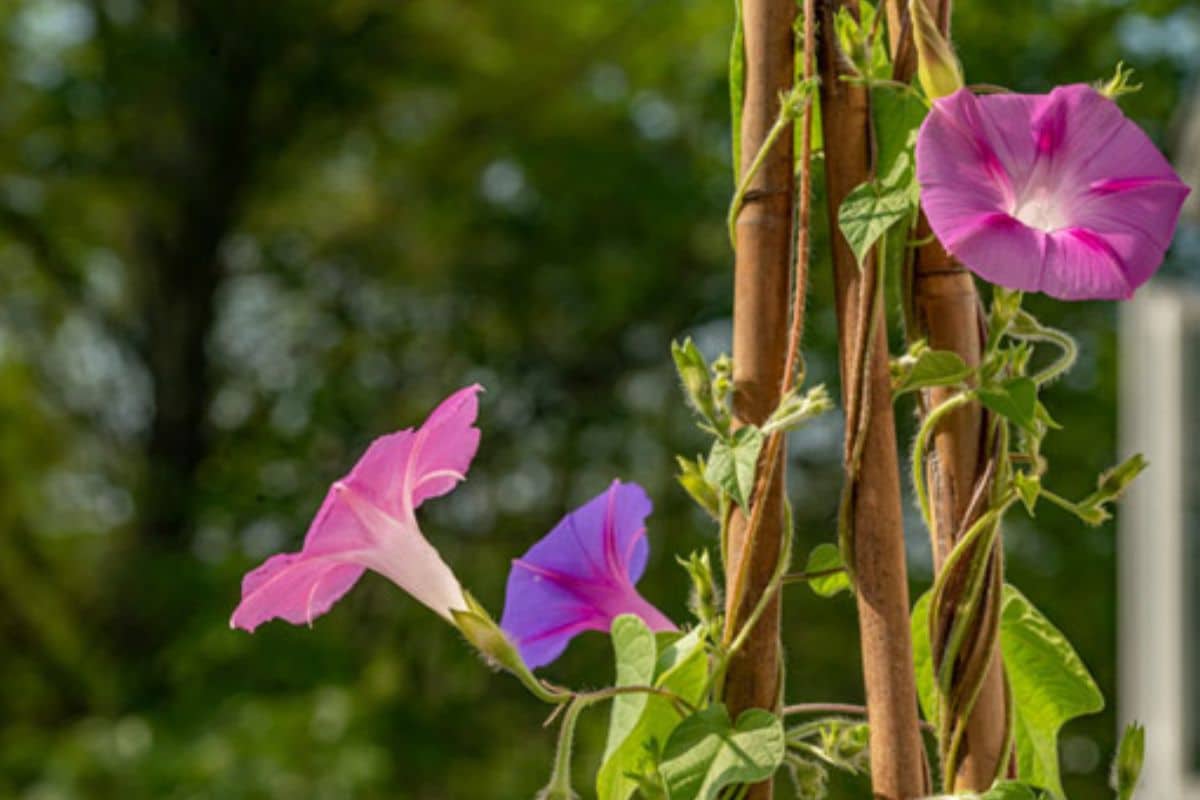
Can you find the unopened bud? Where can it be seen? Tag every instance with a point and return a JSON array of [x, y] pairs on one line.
[[1113, 482], [938, 68], [691, 478], [695, 377], [478, 628]]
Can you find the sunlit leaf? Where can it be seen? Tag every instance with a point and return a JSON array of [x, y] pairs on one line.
[[823, 558], [1015, 398], [707, 752], [1050, 686], [733, 462], [934, 368], [638, 730]]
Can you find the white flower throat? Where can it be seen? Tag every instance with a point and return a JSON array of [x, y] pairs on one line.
[[1039, 208]]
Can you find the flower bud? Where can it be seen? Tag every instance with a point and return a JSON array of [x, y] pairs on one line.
[[477, 626], [691, 478], [694, 375], [1113, 482], [938, 68]]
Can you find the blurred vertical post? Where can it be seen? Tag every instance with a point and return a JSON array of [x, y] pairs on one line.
[[874, 515], [945, 311], [763, 261]]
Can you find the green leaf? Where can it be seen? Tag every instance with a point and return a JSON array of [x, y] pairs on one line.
[[896, 115], [1127, 766], [707, 752], [1011, 790], [933, 368], [635, 742], [1029, 487], [737, 87], [733, 462], [1014, 398], [636, 652], [869, 55], [923, 658], [822, 558], [869, 211], [1050, 685]]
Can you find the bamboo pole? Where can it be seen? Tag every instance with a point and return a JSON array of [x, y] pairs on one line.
[[761, 272], [897, 757], [946, 312]]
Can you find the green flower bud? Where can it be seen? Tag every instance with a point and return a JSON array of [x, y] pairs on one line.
[[1127, 767], [938, 68], [705, 600], [1113, 482], [691, 478], [478, 628]]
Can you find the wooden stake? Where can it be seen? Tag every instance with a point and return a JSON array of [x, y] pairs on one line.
[[897, 757], [946, 312], [764, 231]]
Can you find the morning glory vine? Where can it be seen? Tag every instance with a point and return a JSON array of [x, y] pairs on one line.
[[933, 185]]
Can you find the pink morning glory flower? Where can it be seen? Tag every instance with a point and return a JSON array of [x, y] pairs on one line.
[[1056, 193], [368, 521], [581, 576]]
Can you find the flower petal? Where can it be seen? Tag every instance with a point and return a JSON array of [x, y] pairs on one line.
[[976, 152], [1000, 249], [581, 576], [1081, 265], [367, 522], [401, 470], [294, 587], [602, 539], [1095, 141]]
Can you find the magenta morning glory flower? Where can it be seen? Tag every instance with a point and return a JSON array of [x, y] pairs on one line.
[[368, 521], [1056, 193], [581, 576]]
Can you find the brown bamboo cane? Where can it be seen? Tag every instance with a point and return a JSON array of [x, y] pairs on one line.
[[760, 320], [946, 312], [897, 756]]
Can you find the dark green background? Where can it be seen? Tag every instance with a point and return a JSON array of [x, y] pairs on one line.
[[240, 239]]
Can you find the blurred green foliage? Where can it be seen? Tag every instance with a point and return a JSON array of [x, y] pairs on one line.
[[240, 239]]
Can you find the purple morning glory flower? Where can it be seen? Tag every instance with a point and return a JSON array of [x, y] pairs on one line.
[[1057, 193], [581, 576]]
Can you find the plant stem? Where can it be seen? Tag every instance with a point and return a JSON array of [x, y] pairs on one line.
[[798, 709], [782, 121], [804, 577], [681, 705], [921, 446], [804, 215], [1070, 351], [560, 779]]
